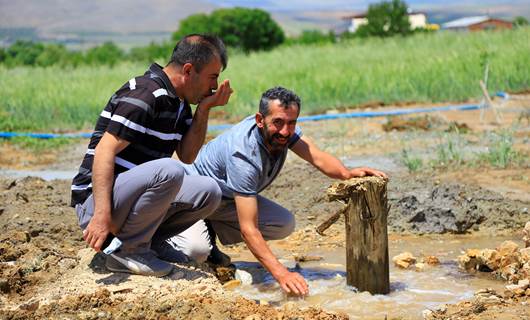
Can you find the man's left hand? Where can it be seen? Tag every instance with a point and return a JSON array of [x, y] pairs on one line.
[[365, 171]]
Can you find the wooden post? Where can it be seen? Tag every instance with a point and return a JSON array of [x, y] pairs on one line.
[[366, 232]]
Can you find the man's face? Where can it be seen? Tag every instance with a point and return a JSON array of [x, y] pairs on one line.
[[202, 84], [278, 126]]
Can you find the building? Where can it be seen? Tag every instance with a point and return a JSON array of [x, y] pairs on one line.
[[477, 23], [416, 19]]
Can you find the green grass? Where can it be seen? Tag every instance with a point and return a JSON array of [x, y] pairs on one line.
[[500, 152], [425, 68]]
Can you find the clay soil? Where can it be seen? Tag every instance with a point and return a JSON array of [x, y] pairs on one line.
[[47, 271]]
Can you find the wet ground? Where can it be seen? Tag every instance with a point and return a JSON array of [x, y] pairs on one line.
[[46, 271]]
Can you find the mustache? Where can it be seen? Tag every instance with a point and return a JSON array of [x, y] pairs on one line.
[[279, 136]]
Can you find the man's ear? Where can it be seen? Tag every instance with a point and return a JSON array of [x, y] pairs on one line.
[[260, 120], [186, 69]]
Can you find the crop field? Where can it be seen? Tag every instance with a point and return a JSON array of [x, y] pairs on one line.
[[423, 68]]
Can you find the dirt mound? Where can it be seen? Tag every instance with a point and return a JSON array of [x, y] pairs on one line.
[[428, 207], [46, 271], [418, 204]]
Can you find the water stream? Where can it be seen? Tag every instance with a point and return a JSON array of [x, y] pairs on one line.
[[411, 291]]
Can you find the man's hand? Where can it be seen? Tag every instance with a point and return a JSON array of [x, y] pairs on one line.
[[97, 231], [219, 98], [293, 282], [365, 171]]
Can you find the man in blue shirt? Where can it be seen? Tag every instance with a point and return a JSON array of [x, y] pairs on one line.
[[244, 161]]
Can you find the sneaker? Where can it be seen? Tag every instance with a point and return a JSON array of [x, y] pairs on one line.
[[218, 258], [146, 264], [167, 252]]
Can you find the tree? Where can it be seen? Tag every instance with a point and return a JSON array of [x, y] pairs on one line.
[[520, 21], [248, 29], [196, 23], [386, 19], [23, 53], [107, 53]]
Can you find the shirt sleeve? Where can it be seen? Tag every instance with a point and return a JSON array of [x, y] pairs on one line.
[[131, 115], [241, 175]]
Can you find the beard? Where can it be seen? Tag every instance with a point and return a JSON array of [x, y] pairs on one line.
[[276, 147]]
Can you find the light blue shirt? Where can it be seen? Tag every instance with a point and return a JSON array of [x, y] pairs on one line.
[[239, 161]]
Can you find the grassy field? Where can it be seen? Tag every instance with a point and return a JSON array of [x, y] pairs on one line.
[[424, 68]]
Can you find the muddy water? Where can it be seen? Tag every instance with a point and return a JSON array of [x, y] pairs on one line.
[[411, 291]]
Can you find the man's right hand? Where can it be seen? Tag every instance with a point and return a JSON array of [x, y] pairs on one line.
[[293, 283], [97, 231]]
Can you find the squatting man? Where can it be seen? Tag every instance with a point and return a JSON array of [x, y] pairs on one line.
[[244, 161], [128, 185]]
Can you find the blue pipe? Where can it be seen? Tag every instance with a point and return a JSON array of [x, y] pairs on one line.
[[222, 127]]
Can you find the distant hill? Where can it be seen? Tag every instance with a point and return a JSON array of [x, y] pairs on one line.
[[83, 23]]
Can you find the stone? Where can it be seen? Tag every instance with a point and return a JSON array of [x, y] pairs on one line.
[[473, 253], [524, 283], [243, 276], [467, 263], [419, 267], [253, 317], [404, 260], [431, 260], [31, 305], [426, 314], [507, 248], [525, 254], [519, 292], [526, 234], [232, 284], [489, 299], [489, 258]]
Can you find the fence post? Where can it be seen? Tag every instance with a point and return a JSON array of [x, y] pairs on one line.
[[367, 261]]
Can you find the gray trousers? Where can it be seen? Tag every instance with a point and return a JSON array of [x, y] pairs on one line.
[[274, 222], [155, 201]]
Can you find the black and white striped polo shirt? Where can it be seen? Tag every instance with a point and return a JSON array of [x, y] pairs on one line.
[[146, 112]]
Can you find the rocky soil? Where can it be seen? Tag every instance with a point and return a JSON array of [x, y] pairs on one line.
[[46, 270]]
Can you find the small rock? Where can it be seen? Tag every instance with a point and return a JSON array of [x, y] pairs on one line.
[[431, 260], [404, 260], [4, 285], [507, 248], [426, 313], [253, 317], [243, 276], [526, 233], [419, 267], [489, 299], [508, 294], [524, 283], [30, 305], [489, 258], [232, 284], [527, 292]]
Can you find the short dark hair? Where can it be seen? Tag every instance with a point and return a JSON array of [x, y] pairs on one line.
[[286, 97], [198, 49]]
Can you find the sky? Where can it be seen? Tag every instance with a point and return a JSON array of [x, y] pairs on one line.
[[282, 5]]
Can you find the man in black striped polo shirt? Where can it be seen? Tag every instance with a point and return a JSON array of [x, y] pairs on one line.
[[128, 186]]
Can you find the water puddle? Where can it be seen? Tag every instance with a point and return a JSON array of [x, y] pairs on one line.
[[411, 291]]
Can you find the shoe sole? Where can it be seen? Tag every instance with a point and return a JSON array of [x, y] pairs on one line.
[[123, 269]]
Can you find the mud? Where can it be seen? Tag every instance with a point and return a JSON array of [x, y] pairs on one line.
[[46, 271], [419, 204]]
